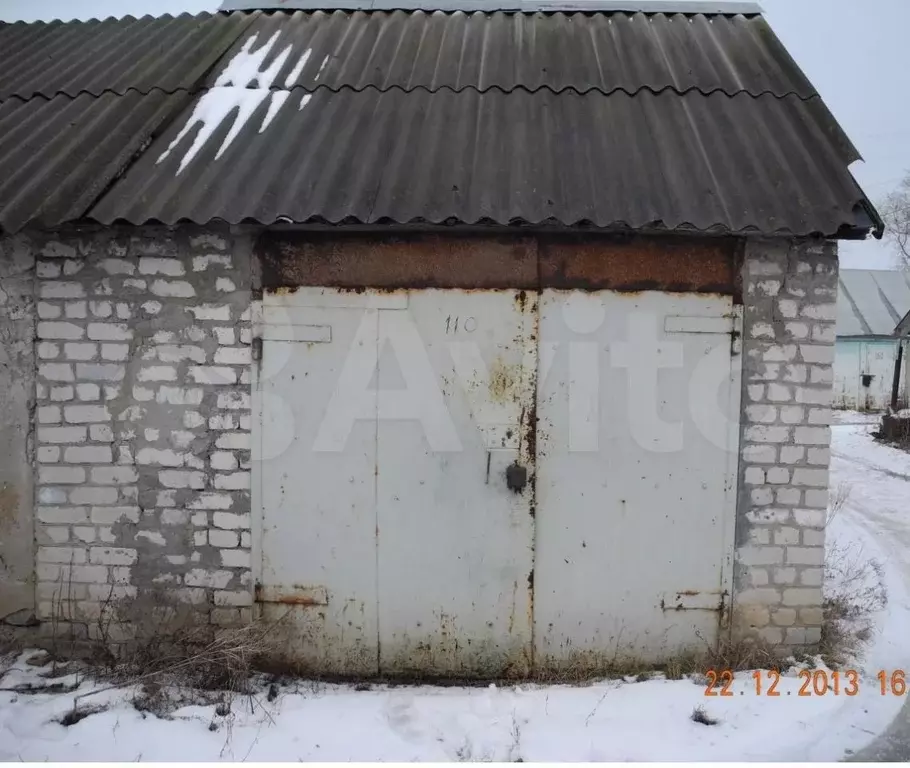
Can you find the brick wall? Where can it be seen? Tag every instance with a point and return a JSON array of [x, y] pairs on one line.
[[143, 421], [789, 294]]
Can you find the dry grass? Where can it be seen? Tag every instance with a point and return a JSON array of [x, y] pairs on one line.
[[837, 498], [700, 716], [854, 592]]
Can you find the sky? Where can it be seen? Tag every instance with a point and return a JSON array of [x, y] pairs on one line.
[[853, 51]]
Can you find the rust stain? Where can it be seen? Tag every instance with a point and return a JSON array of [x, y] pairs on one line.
[[295, 594], [628, 263], [9, 503]]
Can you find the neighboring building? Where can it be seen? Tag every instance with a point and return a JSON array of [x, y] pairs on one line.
[[454, 343], [869, 305]]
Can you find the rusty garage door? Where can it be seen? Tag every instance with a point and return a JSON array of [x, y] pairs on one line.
[[396, 525], [486, 482]]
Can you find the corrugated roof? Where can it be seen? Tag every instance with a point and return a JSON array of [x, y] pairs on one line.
[[581, 52], [116, 55], [57, 156], [650, 161], [659, 121], [871, 302]]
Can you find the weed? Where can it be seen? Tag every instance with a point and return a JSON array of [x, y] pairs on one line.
[[699, 715]]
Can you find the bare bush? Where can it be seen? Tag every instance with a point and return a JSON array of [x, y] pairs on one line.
[[837, 498], [854, 591]]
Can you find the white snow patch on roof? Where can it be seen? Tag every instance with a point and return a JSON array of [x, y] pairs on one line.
[[276, 103], [321, 67], [242, 88], [305, 99], [291, 79], [211, 110]]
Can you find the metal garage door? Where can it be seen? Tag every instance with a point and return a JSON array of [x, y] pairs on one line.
[[428, 506], [390, 539]]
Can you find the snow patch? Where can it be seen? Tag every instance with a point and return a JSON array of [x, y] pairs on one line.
[[276, 103], [291, 79], [325, 61], [305, 99], [243, 69]]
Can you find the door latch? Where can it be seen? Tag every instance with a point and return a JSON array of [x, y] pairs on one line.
[[516, 477]]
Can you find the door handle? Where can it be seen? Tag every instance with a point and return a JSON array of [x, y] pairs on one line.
[[516, 477]]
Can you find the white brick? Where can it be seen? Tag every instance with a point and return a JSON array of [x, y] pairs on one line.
[[118, 267], [813, 538], [149, 265], [195, 333], [100, 308], [761, 414], [178, 396], [157, 373], [111, 515], [223, 460], [49, 414], [225, 285], [779, 353], [778, 393], [246, 539], [113, 555], [234, 401], [768, 287], [52, 495], [795, 373], [225, 336], [797, 330], [174, 288], [235, 558], [172, 478], [822, 354], [115, 351], [792, 454], [787, 308], [817, 478], [114, 475], [812, 396], [239, 599], [94, 496], [210, 579], [88, 392], [811, 577], [756, 392], [821, 374], [80, 350], [210, 312], [174, 516], [143, 394], [816, 499], [225, 539], [762, 331], [222, 421], [61, 555], [53, 475], [246, 422], [76, 310], [201, 263], [88, 454], [234, 356], [100, 371], [47, 350], [181, 438], [56, 372], [62, 290], [62, 514], [755, 476], [62, 434], [47, 311], [760, 454], [82, 414], [238, 481], [212, 374], [58, 534], [778, 476], [763, 434], [151, 307], [153, 537], [805, 555], [193, 419], [110, 331], [762, 497], [760, 555], [233, 441], [230, 521], [46, 269], [813, 435], [246, 336], [163, 457], [788, 496], [73, 266], [820, 311], [825, 334], [792, 414], [820, 416], [174, 353], [820, 456], [136, 283], [48, 454]]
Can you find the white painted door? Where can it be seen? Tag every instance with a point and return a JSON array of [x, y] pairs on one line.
[[391, 426], [638, 407]]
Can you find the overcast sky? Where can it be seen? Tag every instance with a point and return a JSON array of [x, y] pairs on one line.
[[854, 51]]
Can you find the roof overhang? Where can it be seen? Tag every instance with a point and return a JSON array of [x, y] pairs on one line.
[[516, 6], [903, 327]]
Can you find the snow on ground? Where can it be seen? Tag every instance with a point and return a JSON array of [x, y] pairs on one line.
[[603, 721]]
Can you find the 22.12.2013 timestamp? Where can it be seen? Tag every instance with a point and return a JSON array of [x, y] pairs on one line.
[[816, 682]]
